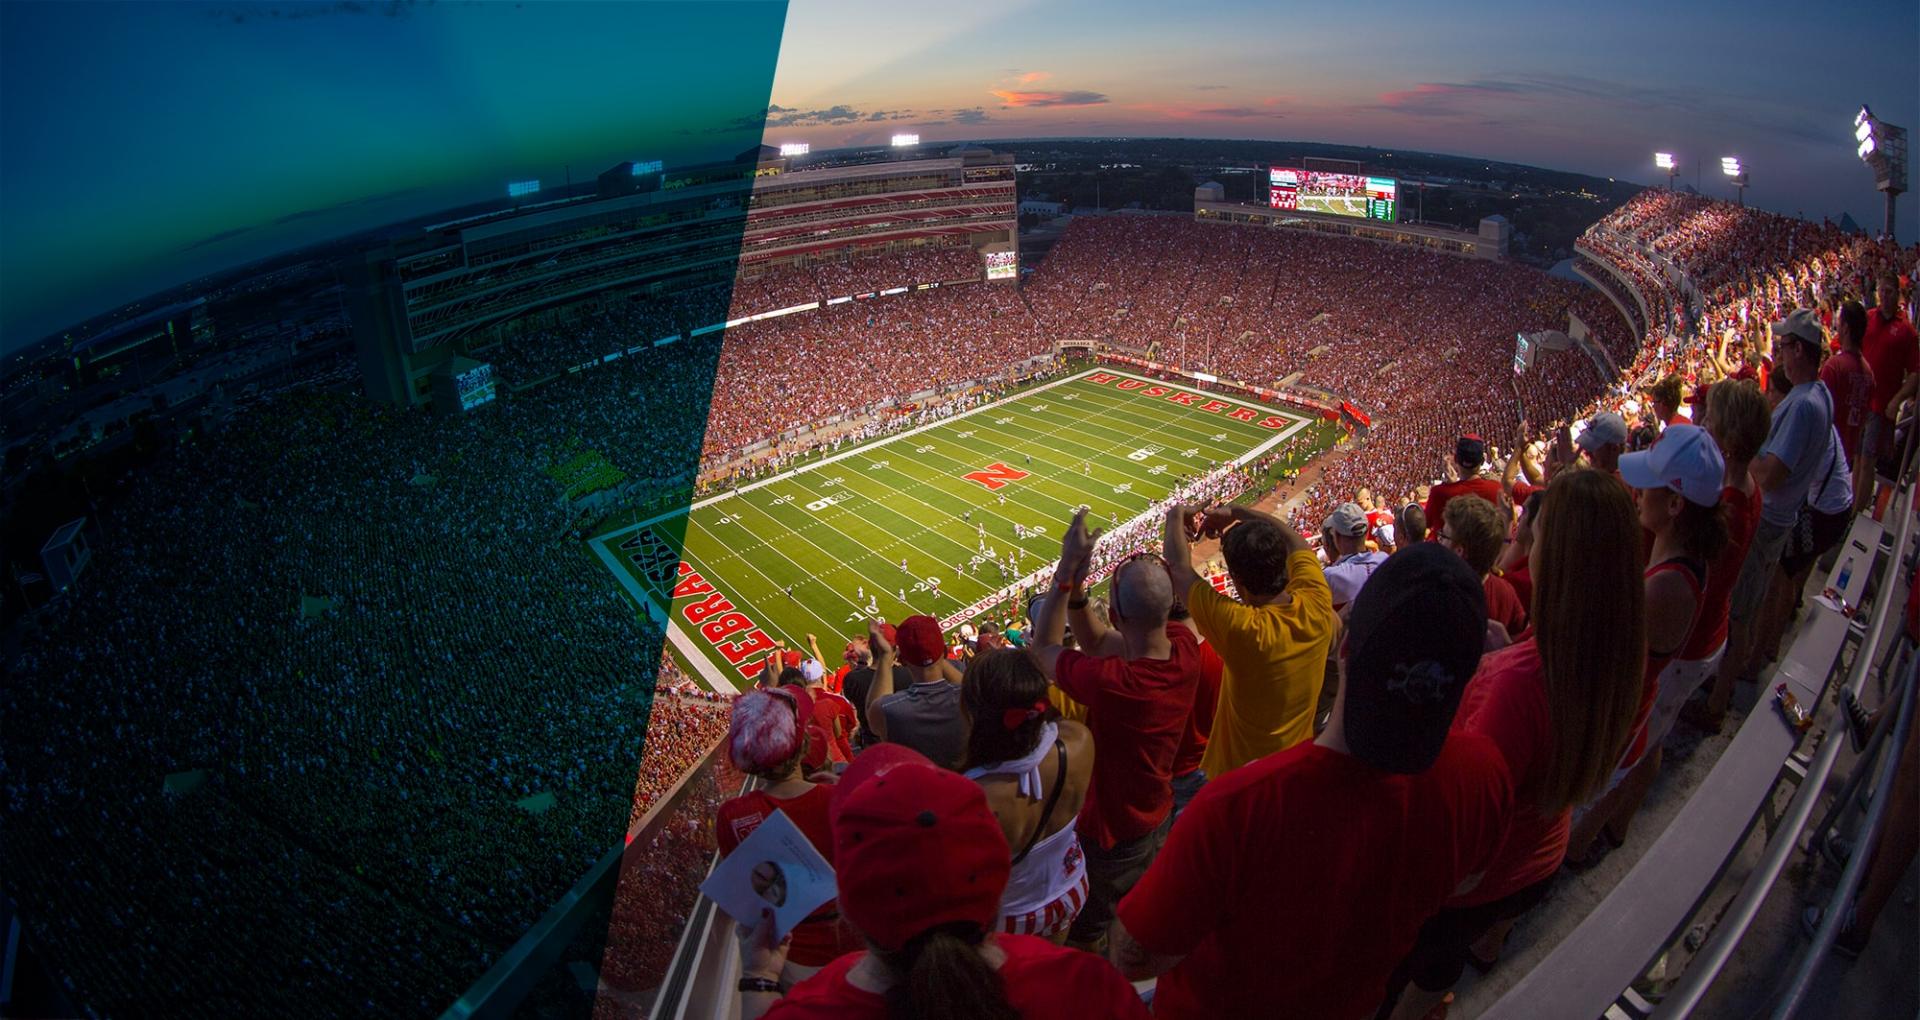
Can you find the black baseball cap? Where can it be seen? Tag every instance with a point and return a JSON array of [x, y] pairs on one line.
[[1470, 450], [1414, 637]]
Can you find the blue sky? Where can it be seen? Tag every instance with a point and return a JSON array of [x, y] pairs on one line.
[[142, 145]]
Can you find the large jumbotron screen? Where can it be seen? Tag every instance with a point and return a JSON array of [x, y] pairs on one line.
[[1340, 194]]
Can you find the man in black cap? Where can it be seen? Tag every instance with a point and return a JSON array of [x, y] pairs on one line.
[[1463, 478], [1330, 855]]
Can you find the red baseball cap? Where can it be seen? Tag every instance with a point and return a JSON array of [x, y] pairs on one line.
[[920, 641], [790, 658], [914, 846]]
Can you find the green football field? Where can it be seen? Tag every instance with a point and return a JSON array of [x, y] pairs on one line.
[[820, 549]]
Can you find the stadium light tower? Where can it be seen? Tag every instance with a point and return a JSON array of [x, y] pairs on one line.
[[1737, 176], [1665, 161], [1883, 148]]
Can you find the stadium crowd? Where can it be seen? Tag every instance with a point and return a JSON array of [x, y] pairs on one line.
[[391, 668], [1518, 735]]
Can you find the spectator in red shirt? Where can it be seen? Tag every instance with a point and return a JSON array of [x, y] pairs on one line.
[[1516, 559], [1358, 835], [1738, 418], [1477, 531], [920, 865], [1463, 478], [1137, 681], [1679, 483], [1188, 776], [1559, 706], [1665, 397], [1850, 380], [767, 739], [1892, 351], [831, 712]]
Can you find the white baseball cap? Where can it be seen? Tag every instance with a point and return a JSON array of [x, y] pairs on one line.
[[812, 670], [1685, 460]]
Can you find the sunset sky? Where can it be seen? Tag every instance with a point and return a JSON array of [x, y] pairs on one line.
[[142, 145]]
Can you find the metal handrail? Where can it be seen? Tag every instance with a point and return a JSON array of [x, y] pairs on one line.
[[1705, 968], [1836, 910]]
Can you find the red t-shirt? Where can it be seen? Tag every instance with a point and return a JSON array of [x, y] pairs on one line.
[[1206, 693], [1520, 578], [1479, 485], [1043, 981], [1506, 701], [1892, 350], [1710, 629], [1294, 885], [1504, 605], [1137, 710], [838, 678], [821, 937], [1850, 382], [835, 715]]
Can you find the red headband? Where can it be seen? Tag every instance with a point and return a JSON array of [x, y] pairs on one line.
[[1014, 718]]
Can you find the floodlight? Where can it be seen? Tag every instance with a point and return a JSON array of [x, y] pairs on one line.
[[902, 141], [1663, 160], [794, 148], [520, 189], [651, 166], [1883, 148], [1730, 165]]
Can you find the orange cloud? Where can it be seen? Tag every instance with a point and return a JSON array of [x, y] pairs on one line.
[[1077, 97], [1034, 76]]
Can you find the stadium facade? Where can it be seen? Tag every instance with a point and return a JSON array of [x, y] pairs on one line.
[[419, 302]]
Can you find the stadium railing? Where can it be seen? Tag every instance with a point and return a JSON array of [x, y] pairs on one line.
[[1592, 971], [499, 992]]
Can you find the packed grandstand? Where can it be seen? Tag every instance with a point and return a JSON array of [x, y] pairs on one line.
[[411, 688]]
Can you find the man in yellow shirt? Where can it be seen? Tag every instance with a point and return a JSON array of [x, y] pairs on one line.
[[1273, 641]]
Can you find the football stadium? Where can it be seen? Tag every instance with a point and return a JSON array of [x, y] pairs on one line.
[[1069, 557]]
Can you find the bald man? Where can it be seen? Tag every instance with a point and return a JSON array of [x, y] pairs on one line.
[[1137, 678]]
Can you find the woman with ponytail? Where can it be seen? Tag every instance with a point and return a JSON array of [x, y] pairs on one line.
[[921, 865], [1035, 769], [1562, 706]]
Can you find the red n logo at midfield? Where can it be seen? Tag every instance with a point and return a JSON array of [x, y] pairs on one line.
[[995, 475]]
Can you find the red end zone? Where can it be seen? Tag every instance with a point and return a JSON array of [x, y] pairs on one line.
[[724, 628], [1189, 398]]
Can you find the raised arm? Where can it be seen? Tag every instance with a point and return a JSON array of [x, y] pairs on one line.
[[1076, 555], [1090, 628], [882, 679], [1179, 549]]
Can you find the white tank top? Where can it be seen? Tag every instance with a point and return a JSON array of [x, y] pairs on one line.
[[1055, 865]]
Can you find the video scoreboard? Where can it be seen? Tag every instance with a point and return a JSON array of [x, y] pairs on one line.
[[1358, 195]]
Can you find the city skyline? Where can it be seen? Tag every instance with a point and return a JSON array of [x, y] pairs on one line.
[[198, 137]]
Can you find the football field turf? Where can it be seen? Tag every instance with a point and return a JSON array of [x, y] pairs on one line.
[[819, 549]]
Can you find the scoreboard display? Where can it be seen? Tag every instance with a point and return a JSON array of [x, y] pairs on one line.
[[1003, 265], [1357, 195], [474, 386]]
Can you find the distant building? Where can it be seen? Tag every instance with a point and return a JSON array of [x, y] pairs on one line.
[[140, 348], [419, 302], [1212, 191], [1042, 210], [1497, 232], [1452, 242]]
